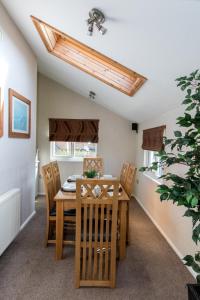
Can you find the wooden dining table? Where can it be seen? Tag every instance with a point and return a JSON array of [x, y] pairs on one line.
[[67, 200]]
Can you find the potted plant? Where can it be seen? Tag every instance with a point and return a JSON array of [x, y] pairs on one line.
[[90, 174], [184, 149]]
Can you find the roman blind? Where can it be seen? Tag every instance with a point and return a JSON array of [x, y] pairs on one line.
[[73, 130], [153, 138]]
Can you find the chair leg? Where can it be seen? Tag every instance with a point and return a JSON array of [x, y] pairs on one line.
[[47, 233]]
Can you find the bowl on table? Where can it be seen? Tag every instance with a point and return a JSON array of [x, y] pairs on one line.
[[69, 186], [73, 178]]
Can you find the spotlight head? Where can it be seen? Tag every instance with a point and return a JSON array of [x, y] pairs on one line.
[[90, 29], [101, 29]]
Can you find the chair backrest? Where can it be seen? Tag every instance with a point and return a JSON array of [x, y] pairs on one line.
[[56, 175], [49, 186], [96, 232], [128, 186], [123, 173], [93, 163]]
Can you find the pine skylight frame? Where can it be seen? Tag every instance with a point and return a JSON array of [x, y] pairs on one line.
[[88, 60]]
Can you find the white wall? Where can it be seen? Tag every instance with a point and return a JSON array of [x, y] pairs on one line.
[[169, 217], [18, 70], [116, 139]]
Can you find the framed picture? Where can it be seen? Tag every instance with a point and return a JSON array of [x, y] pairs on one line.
[[1, 113], [19, 115]]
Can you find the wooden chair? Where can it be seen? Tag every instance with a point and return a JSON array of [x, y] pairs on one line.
[[69, 216], [123, 173], [96, 233], [56, 176], [93, 163], [130, 177], [128, 186]]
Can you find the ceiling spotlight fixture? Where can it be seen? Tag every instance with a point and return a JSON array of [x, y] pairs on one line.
[[97, 18], [92, 95]]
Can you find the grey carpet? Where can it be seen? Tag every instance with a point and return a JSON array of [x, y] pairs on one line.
[[151, 270]]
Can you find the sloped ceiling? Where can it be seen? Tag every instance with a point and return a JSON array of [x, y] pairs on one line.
[[157, 38]]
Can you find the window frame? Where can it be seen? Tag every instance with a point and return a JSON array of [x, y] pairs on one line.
[[71, 158], [128, 81], [149, 158]]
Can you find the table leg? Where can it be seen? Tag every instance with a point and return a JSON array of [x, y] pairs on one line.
[[123, 225], [59, 229], [127, 225]]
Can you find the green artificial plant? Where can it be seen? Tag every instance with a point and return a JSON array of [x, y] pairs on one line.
[[90, 174], [184, 149]]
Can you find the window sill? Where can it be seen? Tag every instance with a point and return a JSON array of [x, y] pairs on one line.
[[153, 177], [68, 159]]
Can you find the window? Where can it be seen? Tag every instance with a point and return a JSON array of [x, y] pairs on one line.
[[149, 158], [72, 150], [88, 60]]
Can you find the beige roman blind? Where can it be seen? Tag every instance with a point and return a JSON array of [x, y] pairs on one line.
[[153, 138], [74, 130]]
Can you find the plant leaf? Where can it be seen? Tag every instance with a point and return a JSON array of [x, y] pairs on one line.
[[191, 106], [197, 256], [189, 260], [194, 201], [196, 234], [195, 267], [177, 133], [198, 278]]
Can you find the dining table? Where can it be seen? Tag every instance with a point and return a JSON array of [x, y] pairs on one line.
[[66, 200]]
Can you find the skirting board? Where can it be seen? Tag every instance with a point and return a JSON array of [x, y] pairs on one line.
[[164, 235], [27, 220]]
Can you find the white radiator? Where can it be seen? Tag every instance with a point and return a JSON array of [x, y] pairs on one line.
[[9, 217]]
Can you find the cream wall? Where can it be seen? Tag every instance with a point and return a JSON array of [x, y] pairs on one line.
[[168, 217], [18, 70], [116, 138]]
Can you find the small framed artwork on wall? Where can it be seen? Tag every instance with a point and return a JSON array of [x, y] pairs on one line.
[[1, 113], [19, 115]]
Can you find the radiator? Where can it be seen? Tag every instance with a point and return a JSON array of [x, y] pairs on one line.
[[9, 217]]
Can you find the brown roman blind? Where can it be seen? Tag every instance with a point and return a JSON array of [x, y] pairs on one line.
[[153, 138], [73, 130]]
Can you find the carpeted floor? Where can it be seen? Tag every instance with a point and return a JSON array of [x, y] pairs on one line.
[[151, 271]]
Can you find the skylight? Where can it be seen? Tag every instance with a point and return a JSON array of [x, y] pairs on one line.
[[88, 60]]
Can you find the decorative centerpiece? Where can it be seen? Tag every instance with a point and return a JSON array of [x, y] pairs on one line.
[[91, 174]]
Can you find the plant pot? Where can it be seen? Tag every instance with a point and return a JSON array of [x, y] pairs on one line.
[[193, 291]]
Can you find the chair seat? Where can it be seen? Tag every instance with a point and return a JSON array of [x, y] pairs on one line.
[[67, 213]]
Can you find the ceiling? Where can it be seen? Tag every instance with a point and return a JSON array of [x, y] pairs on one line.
[[157, 38]]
